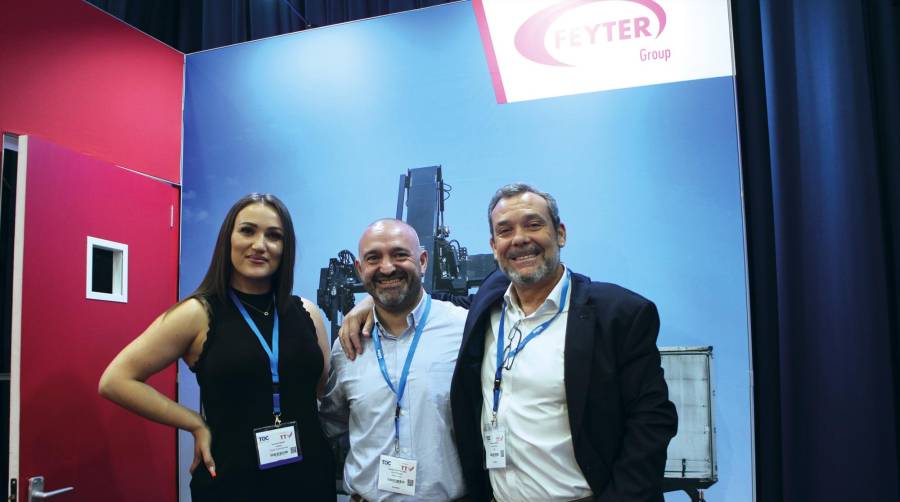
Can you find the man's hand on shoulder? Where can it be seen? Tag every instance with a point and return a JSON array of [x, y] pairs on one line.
[[358, 320]]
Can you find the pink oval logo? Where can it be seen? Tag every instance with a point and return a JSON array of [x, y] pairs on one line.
[[530, 37]]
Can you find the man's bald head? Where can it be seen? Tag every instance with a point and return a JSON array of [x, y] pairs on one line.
[[391, 264], [392, 227]]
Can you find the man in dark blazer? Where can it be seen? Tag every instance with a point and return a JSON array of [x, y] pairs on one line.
[[619, 415]]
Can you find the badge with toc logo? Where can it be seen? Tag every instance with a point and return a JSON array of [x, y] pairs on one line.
[[277, 445], [397, 475]]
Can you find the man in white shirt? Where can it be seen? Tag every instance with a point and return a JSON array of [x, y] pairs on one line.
[[394, 399]]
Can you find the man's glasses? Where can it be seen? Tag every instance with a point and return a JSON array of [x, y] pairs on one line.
[[513, 339]]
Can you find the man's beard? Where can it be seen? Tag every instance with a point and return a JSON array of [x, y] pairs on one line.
[[547, 267], [396, 300]]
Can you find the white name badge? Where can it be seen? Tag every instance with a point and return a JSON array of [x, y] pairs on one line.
[[495, 447], [397, 475], [277, 445]]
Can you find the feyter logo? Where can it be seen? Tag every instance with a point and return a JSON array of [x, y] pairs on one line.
[[530, 38]]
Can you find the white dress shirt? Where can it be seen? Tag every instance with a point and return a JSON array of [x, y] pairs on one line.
[[540, 462], [358, 398]]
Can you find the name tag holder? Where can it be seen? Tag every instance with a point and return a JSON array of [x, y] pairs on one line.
[[494, 435], [495, 454], [277, 445], [397, 475]]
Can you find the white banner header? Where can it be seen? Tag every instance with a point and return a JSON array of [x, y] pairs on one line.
[[544, 48]]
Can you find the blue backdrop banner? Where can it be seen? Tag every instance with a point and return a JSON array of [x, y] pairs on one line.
[[647, 179]]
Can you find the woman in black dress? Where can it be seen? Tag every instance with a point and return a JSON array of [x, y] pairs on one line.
[[259, 437]]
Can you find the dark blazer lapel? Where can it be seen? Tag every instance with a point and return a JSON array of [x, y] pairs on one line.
[[473, 336], [579, 352], [479, 315]]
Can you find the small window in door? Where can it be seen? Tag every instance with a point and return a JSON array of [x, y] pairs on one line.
[[107, 270]]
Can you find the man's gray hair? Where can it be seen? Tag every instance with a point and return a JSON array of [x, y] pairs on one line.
[[514, 189]]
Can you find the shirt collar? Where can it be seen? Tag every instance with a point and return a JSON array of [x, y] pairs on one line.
[[551, 303], [412, 319]]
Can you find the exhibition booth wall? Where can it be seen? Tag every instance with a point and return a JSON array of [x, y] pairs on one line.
[[647, 177], [92, 110], [82, 78]]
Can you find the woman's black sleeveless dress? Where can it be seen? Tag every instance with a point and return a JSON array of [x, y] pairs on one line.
[[236, 392]]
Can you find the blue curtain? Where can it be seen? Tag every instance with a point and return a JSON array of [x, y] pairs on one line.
[[195, 25], [818, 105]]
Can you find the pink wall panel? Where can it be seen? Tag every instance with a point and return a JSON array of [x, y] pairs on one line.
[[78, 76], [68, 433]]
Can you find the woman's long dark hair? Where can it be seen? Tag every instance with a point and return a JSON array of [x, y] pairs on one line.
[[217, 281]]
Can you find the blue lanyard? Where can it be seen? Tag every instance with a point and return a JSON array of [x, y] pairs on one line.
[[401, 384], [501, 360], [272, 351]]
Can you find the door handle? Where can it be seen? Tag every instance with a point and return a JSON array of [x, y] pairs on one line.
[[36, 489]]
